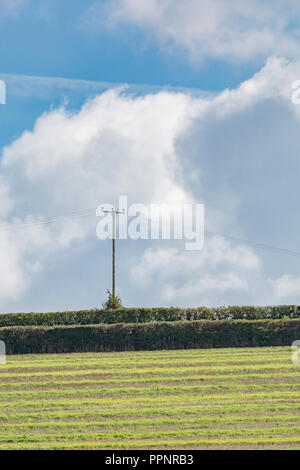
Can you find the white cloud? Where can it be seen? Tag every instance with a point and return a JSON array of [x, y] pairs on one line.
[[161, 147], [198, 277], [232, 30], [286, 288], [13, 279], [101, 150], [114, 145]]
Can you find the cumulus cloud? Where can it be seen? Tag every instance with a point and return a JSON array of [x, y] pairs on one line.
[[224, 29], [107, 144], [231, 151], [286, 287], [201, 276], [114, 145]]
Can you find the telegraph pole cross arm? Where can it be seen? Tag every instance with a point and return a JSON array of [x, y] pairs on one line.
[[114, 213]]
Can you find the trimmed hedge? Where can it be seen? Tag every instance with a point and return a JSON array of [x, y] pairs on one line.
[[150, 336], [144, 315]]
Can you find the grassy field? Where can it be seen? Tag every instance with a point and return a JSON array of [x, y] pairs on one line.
[[193, 399]]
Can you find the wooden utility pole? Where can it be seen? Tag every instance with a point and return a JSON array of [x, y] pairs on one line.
[[114, 213], [114, 256]]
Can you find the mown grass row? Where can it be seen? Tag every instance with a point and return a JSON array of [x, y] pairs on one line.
[[225, 380], [161, 358], [248, 420], [107, 364], [202, 413], [166, 399], [149, 373], [134, 401], [129, 434], [287, 389]]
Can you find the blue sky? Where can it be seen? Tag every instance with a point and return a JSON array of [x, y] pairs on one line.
[[49, 39], [207, 110]]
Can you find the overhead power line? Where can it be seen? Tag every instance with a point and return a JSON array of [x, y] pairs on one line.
[[50, 220], [85, 213], [256, 244]]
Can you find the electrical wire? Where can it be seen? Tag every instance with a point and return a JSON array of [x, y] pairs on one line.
[[84, 213]]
